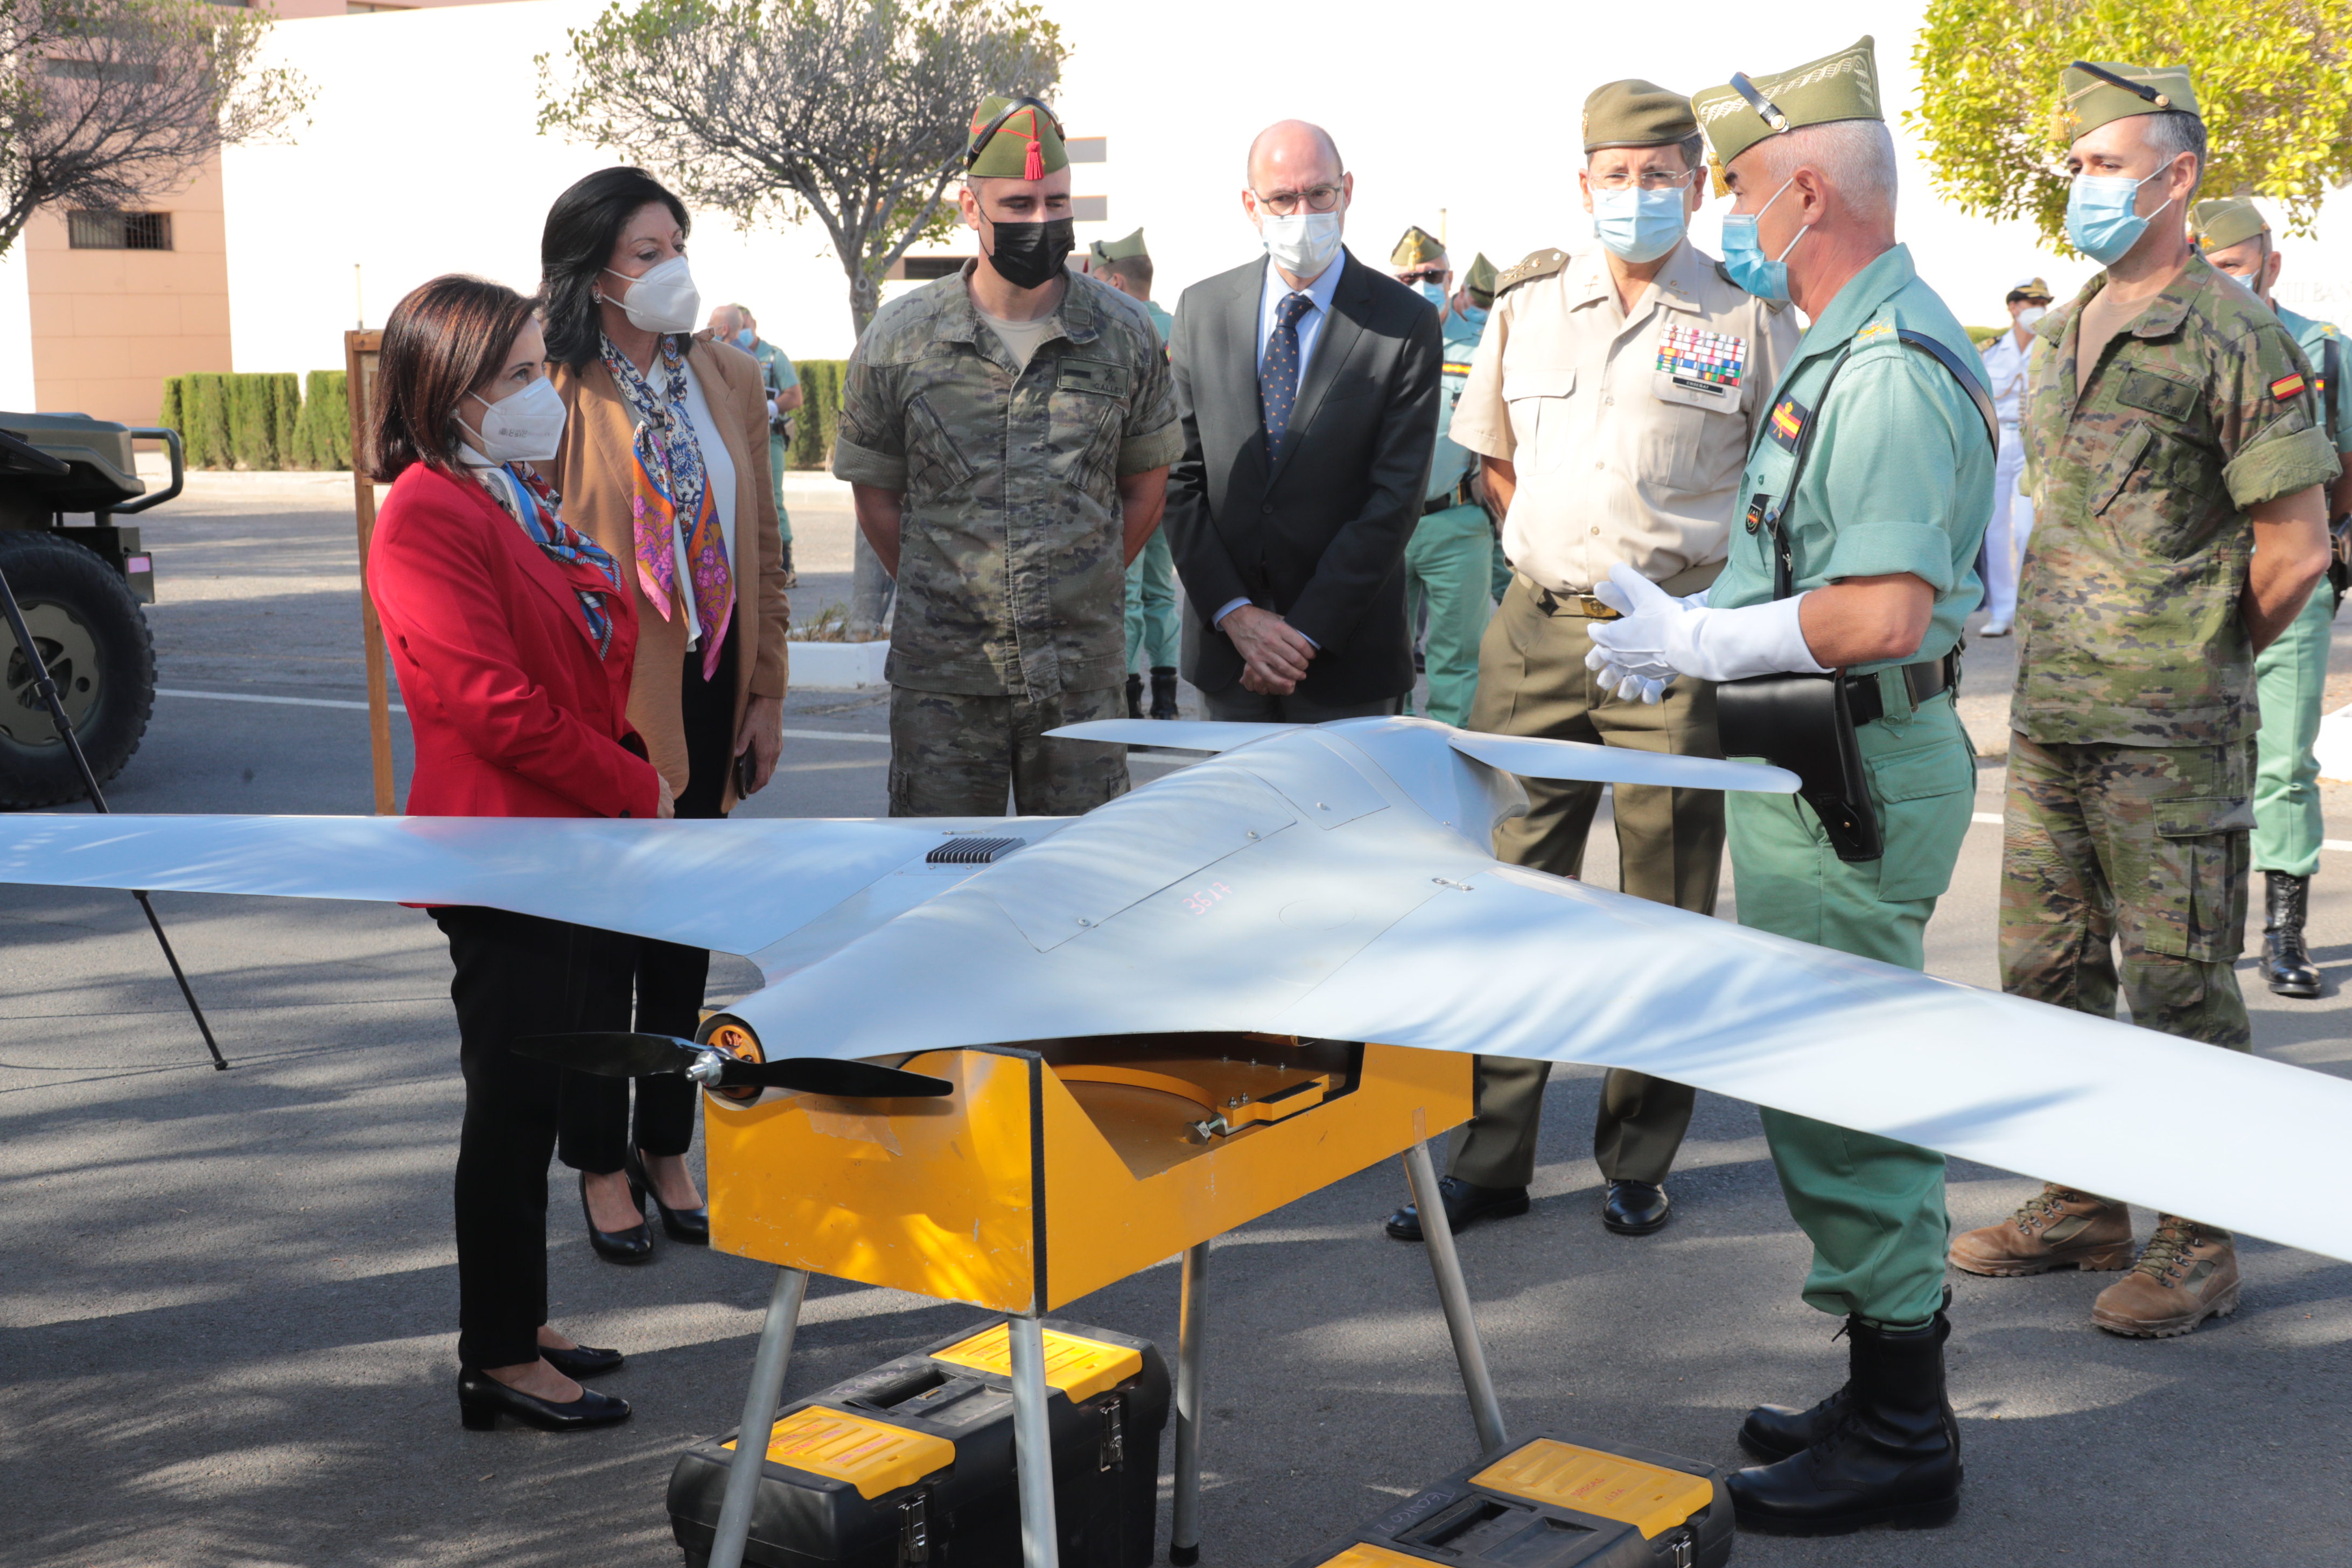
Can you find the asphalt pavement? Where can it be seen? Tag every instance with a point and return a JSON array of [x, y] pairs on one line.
[[227, 1299]]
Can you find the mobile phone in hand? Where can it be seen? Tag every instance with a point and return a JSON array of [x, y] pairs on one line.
[[746, 770]]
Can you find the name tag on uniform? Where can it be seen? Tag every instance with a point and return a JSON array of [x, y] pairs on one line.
[[1092, 375], [1700, 368]]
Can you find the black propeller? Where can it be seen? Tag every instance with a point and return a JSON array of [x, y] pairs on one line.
[[617, 1055]]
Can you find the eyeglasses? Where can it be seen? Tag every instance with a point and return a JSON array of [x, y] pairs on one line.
[[1429, 275], [1319, 198], [1649, 179]]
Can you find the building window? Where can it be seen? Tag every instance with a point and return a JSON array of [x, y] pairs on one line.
[[119, 231], [366, 8], [1087, 149], [926, 269], [1090, 210], [137, 72]]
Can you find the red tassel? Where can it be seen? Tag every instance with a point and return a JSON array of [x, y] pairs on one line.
[[1035, 169]]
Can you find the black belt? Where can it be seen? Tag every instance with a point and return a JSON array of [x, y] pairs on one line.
[[1458, 496], [1927, 679]]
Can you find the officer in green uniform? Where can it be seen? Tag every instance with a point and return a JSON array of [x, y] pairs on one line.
[[1449, 560], [785, 395], [1479, 286], [2172, 439], [1153, 631], [1007, 433], [1863, 504], [2291, 673]]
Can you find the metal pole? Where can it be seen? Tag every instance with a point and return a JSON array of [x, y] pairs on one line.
[[1032, 1447], [46, 690], [758, 1417], [1453, 1295], [1184, 1539]]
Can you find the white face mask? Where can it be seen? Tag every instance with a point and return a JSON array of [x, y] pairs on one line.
[[523, 426], [663, 299], [1303, 244], [2030, 314]]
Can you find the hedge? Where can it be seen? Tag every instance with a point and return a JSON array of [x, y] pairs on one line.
[[245, 420], [820, 412]]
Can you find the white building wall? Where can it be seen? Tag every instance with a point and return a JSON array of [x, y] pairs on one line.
[[15, 334], [422, 155]]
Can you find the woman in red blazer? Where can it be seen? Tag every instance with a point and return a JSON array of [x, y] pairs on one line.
[[514, 642]]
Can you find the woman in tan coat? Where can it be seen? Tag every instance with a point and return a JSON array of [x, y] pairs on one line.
[[665, 463]]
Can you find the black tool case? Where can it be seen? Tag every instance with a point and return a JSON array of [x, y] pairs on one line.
[[911, 1465], [1553, 1501]]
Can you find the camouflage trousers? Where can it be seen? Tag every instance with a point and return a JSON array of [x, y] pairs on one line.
[[954, 753], [2125, 867]]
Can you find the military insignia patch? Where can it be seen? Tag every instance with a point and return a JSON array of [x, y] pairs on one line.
[[1787, 421], [1696, 355], [2288, 386]]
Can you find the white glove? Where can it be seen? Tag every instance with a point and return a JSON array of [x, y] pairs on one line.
[[1661, 637]]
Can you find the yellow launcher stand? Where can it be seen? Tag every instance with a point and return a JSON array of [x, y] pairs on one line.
[[1055, 1169]]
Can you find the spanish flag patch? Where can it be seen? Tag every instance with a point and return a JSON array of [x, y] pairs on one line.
[[2287, 386], [1788, 423]]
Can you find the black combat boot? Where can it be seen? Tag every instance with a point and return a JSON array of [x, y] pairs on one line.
[[1891, 1455], [1776, 1431], [1164, 691], [2286, 964], [1134, 696]]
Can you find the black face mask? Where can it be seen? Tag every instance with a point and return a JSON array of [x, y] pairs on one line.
[[1029, 255]]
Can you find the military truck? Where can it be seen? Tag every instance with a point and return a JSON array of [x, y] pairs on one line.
[[80, 587]]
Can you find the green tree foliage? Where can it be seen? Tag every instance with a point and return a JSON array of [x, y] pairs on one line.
[[851, 112], [820, 412], [261, 421], [2273, 80]]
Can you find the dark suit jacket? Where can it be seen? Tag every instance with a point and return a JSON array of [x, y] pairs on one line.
[[1321, 538]]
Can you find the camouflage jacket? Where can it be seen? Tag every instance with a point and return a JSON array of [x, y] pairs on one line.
[[1011, 577], [2127, 623]]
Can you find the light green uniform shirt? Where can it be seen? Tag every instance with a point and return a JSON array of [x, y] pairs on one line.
[[1450, 465], [2324, 344], [1161, 322], [1900, 476]]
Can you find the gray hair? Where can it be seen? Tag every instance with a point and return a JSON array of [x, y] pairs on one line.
[[2172, 133], [1858, 156]]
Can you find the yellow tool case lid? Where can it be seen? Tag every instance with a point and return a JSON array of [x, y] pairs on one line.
[[1080, 1368], [1649, 1497], [872, 1456]]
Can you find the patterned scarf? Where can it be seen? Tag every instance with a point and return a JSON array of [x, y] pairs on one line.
[[673, 498], [532, 502]]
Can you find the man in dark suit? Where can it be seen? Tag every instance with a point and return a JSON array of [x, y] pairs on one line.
[[1307, 386]]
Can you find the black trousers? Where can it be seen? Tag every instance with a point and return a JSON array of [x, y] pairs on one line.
[[516, 975], [598, 1124]]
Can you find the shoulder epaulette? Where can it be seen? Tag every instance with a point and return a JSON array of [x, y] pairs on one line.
[[1775, 306], [1542, 264]]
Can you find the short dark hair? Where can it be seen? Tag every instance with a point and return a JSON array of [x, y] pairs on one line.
[[576, 246], [439, 343], [2174, 132], [1135, 269]]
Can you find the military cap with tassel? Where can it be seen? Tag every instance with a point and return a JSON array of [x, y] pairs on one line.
[[1026, 144], [2100, 92], [1419, 248], [1103, 252], [1745, 110], [2225, 221], [1479, 281]]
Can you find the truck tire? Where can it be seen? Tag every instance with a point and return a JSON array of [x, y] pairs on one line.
[[98, 651]]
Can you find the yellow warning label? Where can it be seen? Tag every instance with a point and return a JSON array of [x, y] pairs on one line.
[[872, 1456], [1649, 1497], [1079, 1368]]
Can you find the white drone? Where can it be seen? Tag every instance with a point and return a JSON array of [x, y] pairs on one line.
[[1334, 881]]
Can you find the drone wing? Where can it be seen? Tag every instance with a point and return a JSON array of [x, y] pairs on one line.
[[738, 887]]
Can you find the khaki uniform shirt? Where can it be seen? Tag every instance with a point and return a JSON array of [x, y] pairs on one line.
[[1627, 433], [2127, 617], [1012, 569]]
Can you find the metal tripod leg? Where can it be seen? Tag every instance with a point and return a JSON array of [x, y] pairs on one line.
[[1453, 1295], [758, 1415], [1033, 1446], [1184, 1539]]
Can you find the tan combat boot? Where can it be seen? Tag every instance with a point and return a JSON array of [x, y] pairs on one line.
[[2188, 1273], [2057, 1228]]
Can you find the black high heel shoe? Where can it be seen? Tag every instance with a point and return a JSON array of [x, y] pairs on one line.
[[690, 1225], [634, 1245], [582, 1361], [482, 1399]]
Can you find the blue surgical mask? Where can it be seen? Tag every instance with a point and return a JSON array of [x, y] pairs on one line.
[[1474, 316], [1636, 225], [2100, 221], [746, 338], [1433, 291], [1766, 278]]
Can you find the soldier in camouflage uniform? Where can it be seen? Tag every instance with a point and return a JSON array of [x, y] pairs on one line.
[[1007, 434], [2173, 448]]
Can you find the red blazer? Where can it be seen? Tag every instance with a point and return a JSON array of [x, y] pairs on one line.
[[514, 714]]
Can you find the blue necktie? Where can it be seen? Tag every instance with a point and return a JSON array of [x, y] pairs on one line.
[[1277, 374]]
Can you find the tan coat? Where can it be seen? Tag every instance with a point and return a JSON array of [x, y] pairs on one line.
[[595, 471]]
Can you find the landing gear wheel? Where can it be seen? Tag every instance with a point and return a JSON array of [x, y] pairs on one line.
[[96, 644]]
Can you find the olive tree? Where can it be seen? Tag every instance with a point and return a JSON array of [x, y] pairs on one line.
[[2273, 81], [849, 111], [104, 103]]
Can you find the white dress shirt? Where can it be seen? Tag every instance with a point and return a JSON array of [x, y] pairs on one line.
[[1270, 296], [2004, 364]]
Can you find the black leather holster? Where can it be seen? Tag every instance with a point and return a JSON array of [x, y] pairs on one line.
[[1805, 723]]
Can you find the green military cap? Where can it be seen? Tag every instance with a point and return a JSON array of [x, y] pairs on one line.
[[2225, 221], [1636, 113], [1106, 251], [1419, 248], [1024, 143], [2099, 92], [1744, 112], [1479, 281]]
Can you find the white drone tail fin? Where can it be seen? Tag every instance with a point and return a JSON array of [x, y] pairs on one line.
[[1170, 734]]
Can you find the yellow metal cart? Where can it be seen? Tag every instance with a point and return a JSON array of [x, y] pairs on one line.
[[1055, 1168]]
